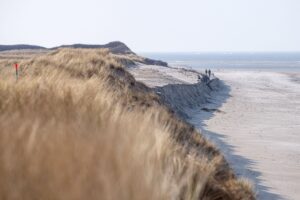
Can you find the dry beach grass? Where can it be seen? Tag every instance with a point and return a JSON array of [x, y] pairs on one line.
[[78, 126]]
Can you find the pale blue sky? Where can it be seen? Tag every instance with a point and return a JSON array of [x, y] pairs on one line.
[[155, 25]]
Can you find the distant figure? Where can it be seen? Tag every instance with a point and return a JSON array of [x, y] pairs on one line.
[[209, 73], [205, 71], [199, 78]]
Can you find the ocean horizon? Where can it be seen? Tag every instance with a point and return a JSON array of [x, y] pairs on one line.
[[257, 61]]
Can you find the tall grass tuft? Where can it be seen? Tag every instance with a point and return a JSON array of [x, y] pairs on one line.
[[78, 126]]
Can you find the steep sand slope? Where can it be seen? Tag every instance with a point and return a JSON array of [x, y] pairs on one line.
[[258, 129], [179, 88]]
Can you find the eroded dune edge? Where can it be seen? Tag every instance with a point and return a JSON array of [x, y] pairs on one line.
[[77, 125]]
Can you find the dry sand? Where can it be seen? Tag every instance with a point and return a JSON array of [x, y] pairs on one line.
[[156, 76], [258, 129], [256, 126]]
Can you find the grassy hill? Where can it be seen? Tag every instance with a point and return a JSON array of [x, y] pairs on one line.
[[117, 48], [20, 47], [114, 47], [78, 126]]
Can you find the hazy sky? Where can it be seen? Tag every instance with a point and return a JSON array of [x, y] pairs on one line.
[[155, 25]]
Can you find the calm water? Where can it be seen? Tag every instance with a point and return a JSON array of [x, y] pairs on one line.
[[283, 62]]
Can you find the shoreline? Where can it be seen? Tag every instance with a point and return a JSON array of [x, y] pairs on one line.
[[242, 115]]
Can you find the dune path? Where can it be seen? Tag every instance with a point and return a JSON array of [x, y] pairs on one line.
[[257, 127]]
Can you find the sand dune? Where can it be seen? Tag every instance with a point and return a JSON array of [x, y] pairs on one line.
[[76, 125]]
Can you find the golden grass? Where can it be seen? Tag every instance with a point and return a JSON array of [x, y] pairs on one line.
[[78, 126]]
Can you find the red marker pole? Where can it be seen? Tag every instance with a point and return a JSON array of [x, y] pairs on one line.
[[17, 71]]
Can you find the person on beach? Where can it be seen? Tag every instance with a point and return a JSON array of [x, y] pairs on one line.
[[199, 78], [209, 73], [205, 71]]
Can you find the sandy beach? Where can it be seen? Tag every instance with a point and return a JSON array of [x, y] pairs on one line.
[[254, 118], [257, 128]]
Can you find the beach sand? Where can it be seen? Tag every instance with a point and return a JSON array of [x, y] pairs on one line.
[[254, 118], [258, 129]]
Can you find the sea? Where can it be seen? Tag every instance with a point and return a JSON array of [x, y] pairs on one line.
[[261, 61]]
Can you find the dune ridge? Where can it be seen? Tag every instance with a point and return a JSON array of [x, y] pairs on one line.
[[78, 126]]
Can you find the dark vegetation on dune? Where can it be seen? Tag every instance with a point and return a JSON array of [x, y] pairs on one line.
[[20, 47], [114, 47]]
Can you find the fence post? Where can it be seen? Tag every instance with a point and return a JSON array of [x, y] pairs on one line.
[[17, 71]]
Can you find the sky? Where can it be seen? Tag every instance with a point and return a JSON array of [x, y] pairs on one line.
[[155, 25]]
